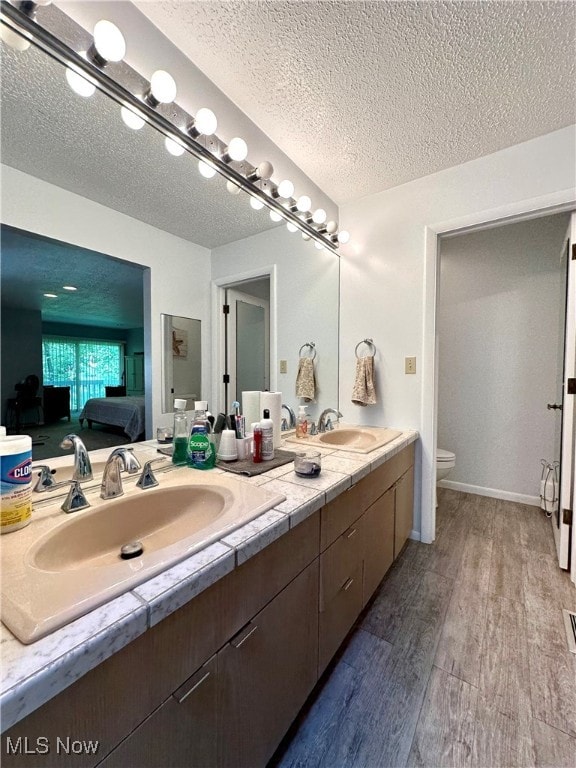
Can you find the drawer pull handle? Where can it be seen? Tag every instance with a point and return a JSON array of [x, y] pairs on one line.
[[238, 641], [198, 683], [351, 533], [347, 585]]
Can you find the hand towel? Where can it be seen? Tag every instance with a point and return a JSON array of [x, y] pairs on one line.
[[305, 379], [364, 391]]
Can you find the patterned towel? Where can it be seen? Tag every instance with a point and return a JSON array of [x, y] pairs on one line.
[[305, 379], [364, 391]]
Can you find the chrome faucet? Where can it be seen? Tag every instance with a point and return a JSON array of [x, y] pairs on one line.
[[120, 458], [82, 465], [322, 424], [292, 417]]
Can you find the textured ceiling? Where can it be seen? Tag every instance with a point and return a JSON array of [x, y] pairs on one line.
[[110, 292], [364, 96]]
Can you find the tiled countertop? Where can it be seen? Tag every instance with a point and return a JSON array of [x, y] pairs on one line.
[[33, 674]]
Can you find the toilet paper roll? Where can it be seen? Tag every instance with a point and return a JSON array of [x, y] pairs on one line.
[[273, 402], [251, 406]]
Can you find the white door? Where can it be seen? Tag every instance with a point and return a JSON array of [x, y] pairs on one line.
[[248, 344], [562, 519]]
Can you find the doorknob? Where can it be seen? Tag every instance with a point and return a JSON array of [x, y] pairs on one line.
[[554, 407]]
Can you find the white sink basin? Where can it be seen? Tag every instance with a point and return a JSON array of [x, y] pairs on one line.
[[350, 438], [63, 566]]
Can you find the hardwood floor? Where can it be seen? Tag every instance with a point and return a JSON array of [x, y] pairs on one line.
[[459, 660]]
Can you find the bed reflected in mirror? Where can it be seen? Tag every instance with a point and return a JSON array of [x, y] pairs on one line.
[[181, 361]]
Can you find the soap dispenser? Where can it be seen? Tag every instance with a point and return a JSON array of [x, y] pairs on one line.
[[302, 422]]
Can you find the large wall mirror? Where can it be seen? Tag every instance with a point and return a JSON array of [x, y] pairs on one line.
[[73, 171]]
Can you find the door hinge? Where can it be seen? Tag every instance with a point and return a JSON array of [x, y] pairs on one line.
[[573, 251], [226, 309], [571, 387], [226, 378], [567, 516]]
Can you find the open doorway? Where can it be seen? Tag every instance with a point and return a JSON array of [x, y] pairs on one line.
[[245, 337]]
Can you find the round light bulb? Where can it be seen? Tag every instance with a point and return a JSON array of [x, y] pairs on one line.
[[285, 189], [162, 87], [304, 203], [206, 170], [205, 121], [79, 84], [331, 227], [265, 170], [305, 236], [233, 188], [256, 204], [291, 227], [109, 41], [50, 295], [318, 245], [69, 287], [343, 237], [275, 216], [237, 149], [173, 147], [319, 216], [132, 119]]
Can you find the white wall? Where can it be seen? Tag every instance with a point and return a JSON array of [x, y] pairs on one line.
[[383, 282], [498, 327], [179, 276], [307, 302]]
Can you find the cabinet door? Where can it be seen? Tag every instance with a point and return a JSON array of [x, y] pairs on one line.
[[378, 542], [340, 590], [134, 372], [404, 510], [182, 732], [266, 672]]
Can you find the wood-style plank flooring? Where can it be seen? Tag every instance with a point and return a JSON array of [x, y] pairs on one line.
[[460, 659]]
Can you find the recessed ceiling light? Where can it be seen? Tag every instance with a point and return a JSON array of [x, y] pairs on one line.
[[69, 288], [51, 295]]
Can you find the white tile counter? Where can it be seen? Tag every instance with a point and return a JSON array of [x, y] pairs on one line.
[[33, 674]]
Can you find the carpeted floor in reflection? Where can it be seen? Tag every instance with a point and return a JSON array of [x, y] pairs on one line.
[[46, 439]]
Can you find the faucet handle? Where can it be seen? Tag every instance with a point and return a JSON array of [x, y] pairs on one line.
[[313, 429], [148, 479], [76, 499], [45, 478], [131, 463]]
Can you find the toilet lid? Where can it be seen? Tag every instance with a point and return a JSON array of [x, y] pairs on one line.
[[442, 455]]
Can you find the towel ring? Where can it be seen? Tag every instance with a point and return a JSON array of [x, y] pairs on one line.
[[370, 343], [312, 346]]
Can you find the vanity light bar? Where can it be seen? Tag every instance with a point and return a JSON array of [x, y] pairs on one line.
[[233, 155]]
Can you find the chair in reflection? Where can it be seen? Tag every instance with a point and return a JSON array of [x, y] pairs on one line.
[[26, 407]]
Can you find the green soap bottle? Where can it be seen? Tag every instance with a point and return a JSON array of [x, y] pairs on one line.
[[201, 454], [180, 439]]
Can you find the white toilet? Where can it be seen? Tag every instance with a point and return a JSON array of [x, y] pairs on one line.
[[445, 463]]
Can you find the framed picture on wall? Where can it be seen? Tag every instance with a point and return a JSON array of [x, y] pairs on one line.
[[179, 343]]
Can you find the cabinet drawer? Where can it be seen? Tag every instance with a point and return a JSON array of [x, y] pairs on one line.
[[372, 487], [378, 542], [338, 616], [338, 515], [340, 561], [181, 732]]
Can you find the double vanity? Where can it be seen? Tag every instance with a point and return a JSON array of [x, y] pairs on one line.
[[202, 649]]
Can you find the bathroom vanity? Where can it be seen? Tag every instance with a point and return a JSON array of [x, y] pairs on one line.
[[209, 663]]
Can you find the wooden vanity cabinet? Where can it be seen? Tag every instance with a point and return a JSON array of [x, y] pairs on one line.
[[266, 672], [404, 510], [181, 732], [378, 542]]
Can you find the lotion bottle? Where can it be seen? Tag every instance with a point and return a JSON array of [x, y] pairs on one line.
[[302, 422], [267, 426]]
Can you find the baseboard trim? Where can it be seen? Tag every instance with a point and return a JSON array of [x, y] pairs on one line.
[[494, 493]]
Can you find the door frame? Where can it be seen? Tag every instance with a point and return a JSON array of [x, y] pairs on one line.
[[561, 202], [218, 288]]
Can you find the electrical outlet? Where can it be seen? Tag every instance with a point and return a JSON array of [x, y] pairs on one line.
[[410, 365], [283, 366]]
